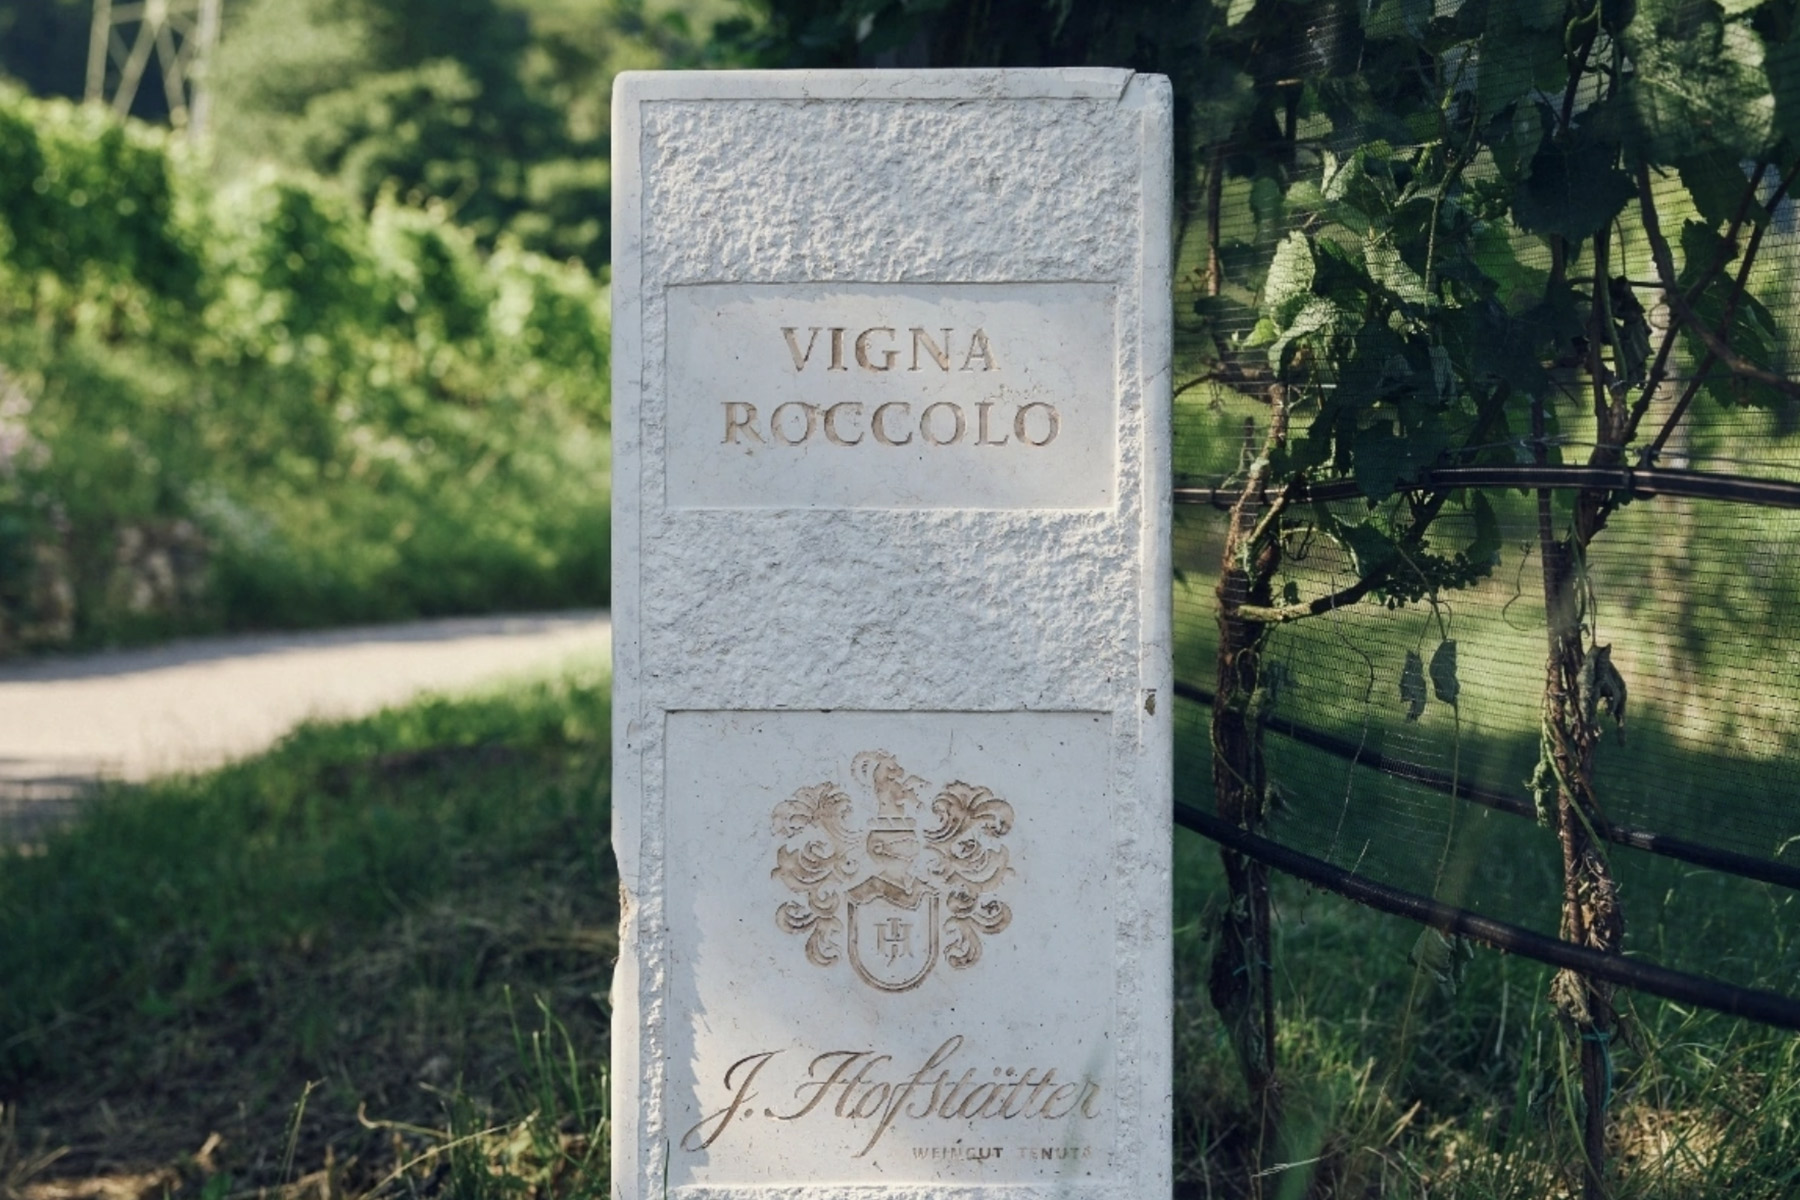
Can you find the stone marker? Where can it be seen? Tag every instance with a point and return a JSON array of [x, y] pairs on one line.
[[892, 644]]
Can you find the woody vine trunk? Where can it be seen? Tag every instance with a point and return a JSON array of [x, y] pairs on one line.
[[1579, 679], [1590, 904], [1241, 979]]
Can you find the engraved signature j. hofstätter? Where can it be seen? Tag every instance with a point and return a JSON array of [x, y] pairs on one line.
[[860, 1086]]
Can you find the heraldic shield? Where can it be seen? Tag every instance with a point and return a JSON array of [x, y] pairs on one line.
[[893, 933], [912, 895]]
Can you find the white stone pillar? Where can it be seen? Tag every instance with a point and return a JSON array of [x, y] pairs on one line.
[[892, 634]]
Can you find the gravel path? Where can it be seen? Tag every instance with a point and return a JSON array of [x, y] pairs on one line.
[[192, 705]]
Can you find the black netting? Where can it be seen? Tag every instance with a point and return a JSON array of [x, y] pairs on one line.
[[1694, 585]]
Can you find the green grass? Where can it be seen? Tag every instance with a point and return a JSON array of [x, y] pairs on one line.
[[1396, 1089], [373, 962], [380, 952]]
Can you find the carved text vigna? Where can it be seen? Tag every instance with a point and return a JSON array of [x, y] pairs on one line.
[[882, 357]]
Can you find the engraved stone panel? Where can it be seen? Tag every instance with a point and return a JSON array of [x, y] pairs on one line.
[[895, 396], [858, 895], [891, 649]]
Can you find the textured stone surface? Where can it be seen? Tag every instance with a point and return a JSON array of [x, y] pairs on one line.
[[891, 711]]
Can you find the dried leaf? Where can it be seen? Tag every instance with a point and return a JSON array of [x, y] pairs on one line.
[[1601, 686], [1412, 685]]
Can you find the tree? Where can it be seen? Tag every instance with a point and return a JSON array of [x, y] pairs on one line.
[[494, 110], [257, 405], [424, 100], [44, 45]]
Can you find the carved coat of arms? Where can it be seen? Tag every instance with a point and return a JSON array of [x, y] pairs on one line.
[[889, 897]]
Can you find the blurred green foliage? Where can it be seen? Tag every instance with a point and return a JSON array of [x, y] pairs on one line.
[[498, 111], [344, 361], [256, 405], [44, 45]]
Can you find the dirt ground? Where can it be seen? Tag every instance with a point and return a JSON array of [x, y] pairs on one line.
[[192, 705]]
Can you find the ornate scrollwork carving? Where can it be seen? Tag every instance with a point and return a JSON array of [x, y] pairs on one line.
[[919, 898]]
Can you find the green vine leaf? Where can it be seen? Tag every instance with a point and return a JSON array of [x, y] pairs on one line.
[[1445, 959], [1288, 285], [1484, 551], [1318, 316], [1573, 190], [1701, 246], [1443, 672], [1384, 461], [1699, 82], [1753, 334], [1782, 62], [1387, 269], [1633, 326], [1397, 18], [1717, 184], [1521, 54]]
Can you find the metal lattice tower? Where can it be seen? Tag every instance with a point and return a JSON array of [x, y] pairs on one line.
[[179, 34]]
